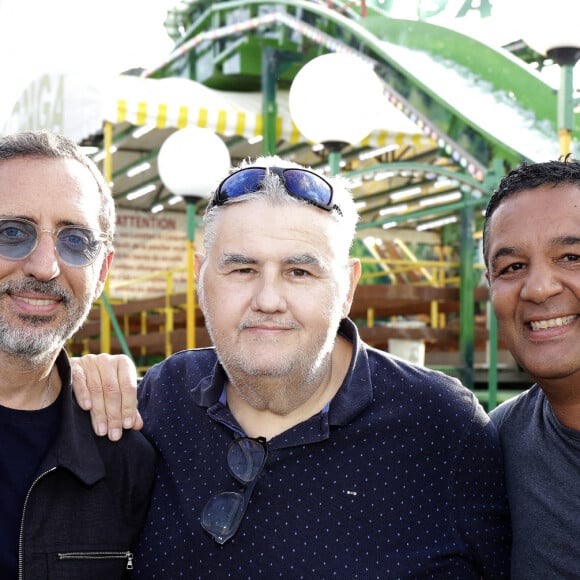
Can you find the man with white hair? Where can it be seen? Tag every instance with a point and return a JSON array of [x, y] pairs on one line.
[[292, 449]]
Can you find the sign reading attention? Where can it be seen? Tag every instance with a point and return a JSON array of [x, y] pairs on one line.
[[147, 245]]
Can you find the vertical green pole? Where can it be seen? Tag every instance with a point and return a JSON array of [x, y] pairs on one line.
[[466, 294], [334, 149], [269, 105], [334, 162], [566, 108], [191, 204], [491, 181], [492, 371], [566, 57]]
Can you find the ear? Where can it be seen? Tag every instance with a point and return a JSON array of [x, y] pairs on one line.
[[198, 263], [354, 276], [105, 267]]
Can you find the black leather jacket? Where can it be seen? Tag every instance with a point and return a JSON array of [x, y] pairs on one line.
[[85, 508]]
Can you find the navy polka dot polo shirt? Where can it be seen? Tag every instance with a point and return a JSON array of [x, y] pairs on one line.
[[400, 477]]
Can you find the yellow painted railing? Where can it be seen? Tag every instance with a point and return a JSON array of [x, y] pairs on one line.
[[147, 323]]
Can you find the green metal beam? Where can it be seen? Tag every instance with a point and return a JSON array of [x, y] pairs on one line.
[[466, 294], [116, 326]]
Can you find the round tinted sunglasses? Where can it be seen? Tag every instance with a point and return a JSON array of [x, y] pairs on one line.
[[76, 246], [300, 183]]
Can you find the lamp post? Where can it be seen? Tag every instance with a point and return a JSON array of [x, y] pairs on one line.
[[558, 39], [191, 161], [334, 100]]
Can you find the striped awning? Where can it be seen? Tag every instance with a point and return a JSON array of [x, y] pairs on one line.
[[181, 103], [78, 105]]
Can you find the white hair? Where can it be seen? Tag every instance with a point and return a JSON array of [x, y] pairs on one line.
[[275, 192]]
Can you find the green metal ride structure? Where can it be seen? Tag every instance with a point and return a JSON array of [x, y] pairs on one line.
[[482, 108]]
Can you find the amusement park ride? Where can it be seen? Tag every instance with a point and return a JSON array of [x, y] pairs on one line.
[[458, 115]]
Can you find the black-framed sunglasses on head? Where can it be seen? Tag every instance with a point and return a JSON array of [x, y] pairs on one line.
[[76, 246], [300, 183], [223, 513]]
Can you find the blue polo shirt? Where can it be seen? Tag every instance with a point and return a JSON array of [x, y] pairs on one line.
[[400, 477]]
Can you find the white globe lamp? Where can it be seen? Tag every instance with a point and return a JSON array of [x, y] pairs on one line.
[[554, 33], [335, 100], [191, 161]]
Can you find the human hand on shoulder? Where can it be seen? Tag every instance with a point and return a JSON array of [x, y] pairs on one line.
[[106, 385]]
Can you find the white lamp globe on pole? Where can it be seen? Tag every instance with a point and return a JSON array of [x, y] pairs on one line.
[[335, 100], [191, 162], [554, 33]]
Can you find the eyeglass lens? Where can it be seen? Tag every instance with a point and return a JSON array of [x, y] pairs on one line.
[[246, 458], [308, 186], [223, 513], [244, 181], [76, 246]]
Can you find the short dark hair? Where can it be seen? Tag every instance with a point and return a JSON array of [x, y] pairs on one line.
[[529, 176]]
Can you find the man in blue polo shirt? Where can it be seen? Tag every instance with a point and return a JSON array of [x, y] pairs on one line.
[[292, 449]]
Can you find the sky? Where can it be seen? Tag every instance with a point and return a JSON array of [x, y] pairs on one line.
[[106, 36], [510, 20], [110, 36]]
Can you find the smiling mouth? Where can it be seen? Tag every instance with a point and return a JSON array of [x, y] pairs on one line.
[[552, 323], [38, 301]]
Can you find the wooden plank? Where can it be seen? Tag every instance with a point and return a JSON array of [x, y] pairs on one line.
[[386, 301]]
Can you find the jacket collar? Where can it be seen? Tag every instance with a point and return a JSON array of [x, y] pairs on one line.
[[75, 447]]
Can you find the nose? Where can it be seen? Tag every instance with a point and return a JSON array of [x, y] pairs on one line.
[[268, 295], [541, 283], [42, 264]]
